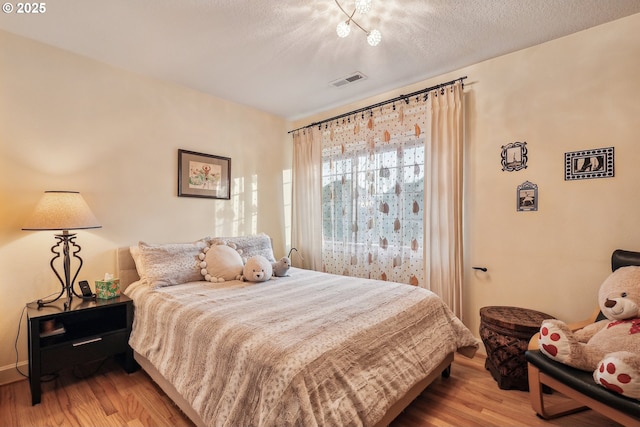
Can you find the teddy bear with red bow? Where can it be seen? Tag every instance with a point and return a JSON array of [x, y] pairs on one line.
[[610, 347]]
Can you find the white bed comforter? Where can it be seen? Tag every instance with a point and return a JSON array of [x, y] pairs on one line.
[[309, 349]]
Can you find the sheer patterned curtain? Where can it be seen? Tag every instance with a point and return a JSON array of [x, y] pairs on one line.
[[391, 193], [306, 206], [372, 194]]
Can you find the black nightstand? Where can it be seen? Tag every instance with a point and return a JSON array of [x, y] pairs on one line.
[[88, 331]]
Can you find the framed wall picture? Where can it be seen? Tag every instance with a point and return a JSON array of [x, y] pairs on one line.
[[514, 156], [586, 164], [527, 197], [203, 175]]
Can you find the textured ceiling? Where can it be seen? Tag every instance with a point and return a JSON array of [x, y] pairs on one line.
[[279, 56]]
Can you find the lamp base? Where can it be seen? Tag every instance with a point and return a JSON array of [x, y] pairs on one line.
[[67, 303], [66, 242]]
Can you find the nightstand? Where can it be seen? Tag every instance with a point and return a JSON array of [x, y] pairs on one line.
[[88, 331]]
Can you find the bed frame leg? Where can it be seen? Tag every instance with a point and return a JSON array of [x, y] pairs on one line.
[[447, 372]]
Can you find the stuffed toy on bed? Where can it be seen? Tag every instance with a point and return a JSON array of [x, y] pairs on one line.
[[281, 267], [256, 269], [611, 347]]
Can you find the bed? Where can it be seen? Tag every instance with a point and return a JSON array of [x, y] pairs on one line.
[[307, 349]]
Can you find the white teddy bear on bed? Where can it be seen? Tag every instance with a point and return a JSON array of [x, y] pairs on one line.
[[256, 269]]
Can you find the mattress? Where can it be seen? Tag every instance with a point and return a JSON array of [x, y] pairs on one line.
[[308, 349]]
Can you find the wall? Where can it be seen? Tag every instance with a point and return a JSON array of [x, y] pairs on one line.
[[70, 123], [574, 93]]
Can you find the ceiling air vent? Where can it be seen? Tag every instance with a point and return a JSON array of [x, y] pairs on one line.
[[349, 79]]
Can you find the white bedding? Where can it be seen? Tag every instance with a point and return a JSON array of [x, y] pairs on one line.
[[309, 349]]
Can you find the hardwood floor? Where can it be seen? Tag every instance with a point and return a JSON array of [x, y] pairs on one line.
[[471, 397], [110, 397]]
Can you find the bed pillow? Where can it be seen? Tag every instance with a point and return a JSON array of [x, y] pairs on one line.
[[135, 254], [248, 246], [170, 264]]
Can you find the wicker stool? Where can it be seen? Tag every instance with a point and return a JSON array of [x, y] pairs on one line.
[[505, 332]]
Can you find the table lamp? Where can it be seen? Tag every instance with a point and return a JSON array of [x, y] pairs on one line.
[[64, 211]]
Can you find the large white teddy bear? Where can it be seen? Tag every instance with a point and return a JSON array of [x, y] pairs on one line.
[[611, 347]]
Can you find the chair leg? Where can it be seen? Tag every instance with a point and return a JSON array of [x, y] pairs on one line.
[[537, 398], [535, 390]]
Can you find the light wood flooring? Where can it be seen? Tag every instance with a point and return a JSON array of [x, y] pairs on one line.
[[110, 397]]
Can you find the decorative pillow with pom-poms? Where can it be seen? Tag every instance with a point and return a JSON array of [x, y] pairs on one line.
[[220, 262]]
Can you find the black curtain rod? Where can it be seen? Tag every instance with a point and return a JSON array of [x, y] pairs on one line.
[[379, 104]]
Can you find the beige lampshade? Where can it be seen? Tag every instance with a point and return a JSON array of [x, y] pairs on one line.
[[61, 210]]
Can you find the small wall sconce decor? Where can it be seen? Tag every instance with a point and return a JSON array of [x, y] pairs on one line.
[[586, 164], [514, 156], [527, 197]]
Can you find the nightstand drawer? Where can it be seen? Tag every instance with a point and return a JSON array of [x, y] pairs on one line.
[[83, 350]]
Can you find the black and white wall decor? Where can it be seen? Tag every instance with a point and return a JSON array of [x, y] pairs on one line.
[[527, 197], [514, 156], [586, 164]]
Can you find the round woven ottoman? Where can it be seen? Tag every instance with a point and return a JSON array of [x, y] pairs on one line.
[[505, 332]]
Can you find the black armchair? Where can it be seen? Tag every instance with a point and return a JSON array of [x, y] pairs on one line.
[[575, 384]]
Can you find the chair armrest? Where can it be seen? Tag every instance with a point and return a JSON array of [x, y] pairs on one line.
[[579, 325], [533, 342]]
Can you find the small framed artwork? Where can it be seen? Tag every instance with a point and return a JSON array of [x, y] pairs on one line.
[[586, 164], [203, 175], [514, 156], [527, 197]]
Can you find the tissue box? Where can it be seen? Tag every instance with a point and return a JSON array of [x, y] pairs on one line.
[[106, 289]]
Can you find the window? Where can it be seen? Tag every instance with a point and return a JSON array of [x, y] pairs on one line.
[[372, 216]]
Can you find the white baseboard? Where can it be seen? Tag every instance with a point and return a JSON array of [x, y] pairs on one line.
[[8, 373]]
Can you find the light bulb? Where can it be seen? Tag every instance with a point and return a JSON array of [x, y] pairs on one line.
[[343, 29], [363, 6], [374, 37]]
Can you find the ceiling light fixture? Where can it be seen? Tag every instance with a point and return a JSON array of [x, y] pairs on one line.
[[344, 27]]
